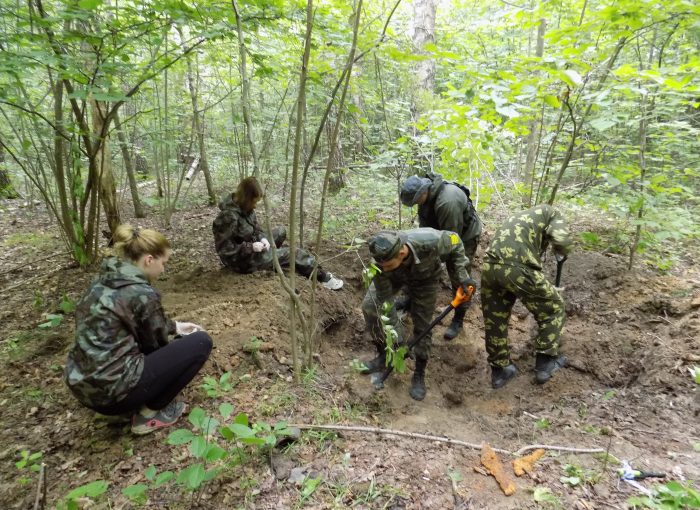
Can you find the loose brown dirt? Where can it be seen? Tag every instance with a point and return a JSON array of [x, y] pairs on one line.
[[631, 337]]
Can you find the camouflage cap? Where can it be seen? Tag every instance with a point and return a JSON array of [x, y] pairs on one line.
[[386, 245], [413, 188]]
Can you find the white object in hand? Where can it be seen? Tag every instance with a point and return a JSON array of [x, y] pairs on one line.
[[187, 328], [266, 243], [258, 247]]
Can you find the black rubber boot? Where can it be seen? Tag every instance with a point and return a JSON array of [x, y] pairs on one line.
[[453, 330], [377, 364], [546, 365], [456, 325], [402, 303], [417, 391], [501, 375]]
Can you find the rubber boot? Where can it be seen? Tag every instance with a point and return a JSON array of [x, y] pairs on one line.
[[456, 325], [417, 390], [546, 365], [377, 364], [501, 375]]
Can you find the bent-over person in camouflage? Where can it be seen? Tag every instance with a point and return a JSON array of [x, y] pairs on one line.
[[444, 205], [242, 245], [512, 270], [411, 259], [122, 363]]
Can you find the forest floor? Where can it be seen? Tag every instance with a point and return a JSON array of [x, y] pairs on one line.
[[631, 337]]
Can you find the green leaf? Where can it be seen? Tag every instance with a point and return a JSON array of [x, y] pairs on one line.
[[89, 4], [197, 417], [226, 410], [198, 446], [136, 493], [215, 453], [89, 490], [601, 124], [240, 430], [150, 473], [192, 476], [180, 436], [544, 495], [163, 478], [241, 418], [508, 111], [570, 480], [552, 101]]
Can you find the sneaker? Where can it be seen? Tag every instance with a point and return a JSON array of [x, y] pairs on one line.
[[141, 425], [546, 365], [332, 283], [501, 375]]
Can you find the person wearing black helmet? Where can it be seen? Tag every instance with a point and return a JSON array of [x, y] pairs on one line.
[[444, 205]]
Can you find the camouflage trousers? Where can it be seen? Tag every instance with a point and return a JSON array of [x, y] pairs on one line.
[[263, 260], [501, 285], [422, 305]]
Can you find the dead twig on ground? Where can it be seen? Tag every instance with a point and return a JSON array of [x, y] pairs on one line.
[[25, 264], [40, 499], [443, 439]]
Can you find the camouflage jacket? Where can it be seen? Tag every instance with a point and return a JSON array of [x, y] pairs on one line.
[[448, 208], [118, 321], [235, 231], [429, 248], [524, 237]]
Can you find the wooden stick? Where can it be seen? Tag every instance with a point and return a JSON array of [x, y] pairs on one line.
[[24, 264], [39, 499], [443, 439]]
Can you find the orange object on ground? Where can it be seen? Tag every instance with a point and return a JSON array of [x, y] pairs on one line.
[[494, 466], [527, 464]]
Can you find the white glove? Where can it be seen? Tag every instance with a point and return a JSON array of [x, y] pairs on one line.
[[258, 247], [266, 243], [187, 328]]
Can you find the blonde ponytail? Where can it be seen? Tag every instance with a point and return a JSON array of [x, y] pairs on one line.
[[132, 243]]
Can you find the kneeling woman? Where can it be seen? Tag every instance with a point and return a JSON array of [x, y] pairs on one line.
[[122, 362], [242, 245]]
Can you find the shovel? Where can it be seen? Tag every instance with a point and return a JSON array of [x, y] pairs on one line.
[[461, 297], [560, 263]]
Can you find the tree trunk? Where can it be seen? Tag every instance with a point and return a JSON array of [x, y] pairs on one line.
[[101, 166], [423, 34], [245, 89], [534, 135], [7, 190], [129, 168], [193, 83]]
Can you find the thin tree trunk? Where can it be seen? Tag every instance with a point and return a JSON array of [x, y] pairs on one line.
[[245, 89], [101, 162], [294, 184], [129, 168], [534, 135], [333, 147], [7, 190], [199, 129]]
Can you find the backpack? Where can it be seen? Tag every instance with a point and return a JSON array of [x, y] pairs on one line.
[[464, 189]]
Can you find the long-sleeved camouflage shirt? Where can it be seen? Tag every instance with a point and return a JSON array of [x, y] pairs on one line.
[[428, 247], [235, 231], [447, 208], [118, 321], [524, 237]]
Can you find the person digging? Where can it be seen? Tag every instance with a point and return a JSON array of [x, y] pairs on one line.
[[444, 205], [512, 269], [411, 260]]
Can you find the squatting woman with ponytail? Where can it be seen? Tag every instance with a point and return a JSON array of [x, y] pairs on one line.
[[122, 362]]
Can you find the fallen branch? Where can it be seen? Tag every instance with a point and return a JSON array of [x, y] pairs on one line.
[[25, 264], [443, 439], [568, 449], [40, 499]]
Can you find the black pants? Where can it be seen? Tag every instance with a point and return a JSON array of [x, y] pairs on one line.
[[165, 373]]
